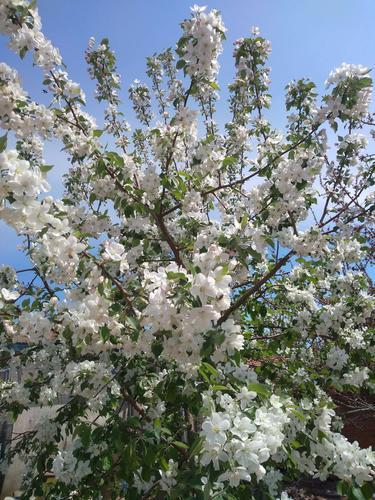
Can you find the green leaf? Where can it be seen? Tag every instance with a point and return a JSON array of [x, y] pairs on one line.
[[180, 444], [356, 494], [368, 490], [342, 488], [105, 333], [207, 491], [45, 168], [224, 271], [172, 391], [209, 138], [92, 198], [365, 82], [194, 89], [214, 85], [263, 310], [196, 447], [164, 464], [180, 64], [133, 322], [84, 432], [210, 369], [219, 387], [23, 52], [115, 159], [157, 348], [203, 373], [298, 414], [295, 444], [106, 463], [97, 133], [244, 221], [261, 389], [229, 160], [176, 276], [3, 142], [100, 167]]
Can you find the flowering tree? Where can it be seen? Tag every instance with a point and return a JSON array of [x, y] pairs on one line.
[[195, 298]]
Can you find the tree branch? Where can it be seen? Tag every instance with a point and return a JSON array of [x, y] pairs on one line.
[[244, 297]]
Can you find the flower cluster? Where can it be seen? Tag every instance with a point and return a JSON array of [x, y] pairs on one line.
[[352, 91], [244, 438], [21, 21], [201, 42]]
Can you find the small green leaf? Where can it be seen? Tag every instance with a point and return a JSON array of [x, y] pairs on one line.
[[229, 160], [202, 372], [342, 488], [356, 494], [214, 85], [365, 82], [164, 464], [3, 142], [23, 52], [261, 389], [368, 489], [244, 221], [196, 447], [105, 333], [133, 322], [207, 491], [100, 167], [92, 198], [224, 271], [219, 387], [209, 368], [295, 444], [176, 276], [45, 168], [106, 463], [180, 444], [180, 64], [263, 310], [298, 414]]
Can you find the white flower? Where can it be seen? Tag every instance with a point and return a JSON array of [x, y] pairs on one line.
[[323, 421], [204, 287], [8, 295], [276, 401], [113, 250], [214, 428], [234, 477], [242, 427], [245, 397], [337, 358], [357, 377]]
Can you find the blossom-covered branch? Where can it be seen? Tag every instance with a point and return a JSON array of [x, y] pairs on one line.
[[202, 293]]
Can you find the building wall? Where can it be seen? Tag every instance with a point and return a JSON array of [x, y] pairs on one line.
[[25, 422]]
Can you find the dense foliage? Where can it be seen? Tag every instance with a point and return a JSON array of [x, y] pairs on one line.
[[201, 291]]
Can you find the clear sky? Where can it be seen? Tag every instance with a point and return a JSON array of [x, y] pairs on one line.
[[309, 38]]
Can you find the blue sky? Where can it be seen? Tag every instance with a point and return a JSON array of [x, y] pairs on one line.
[[309, 38]]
